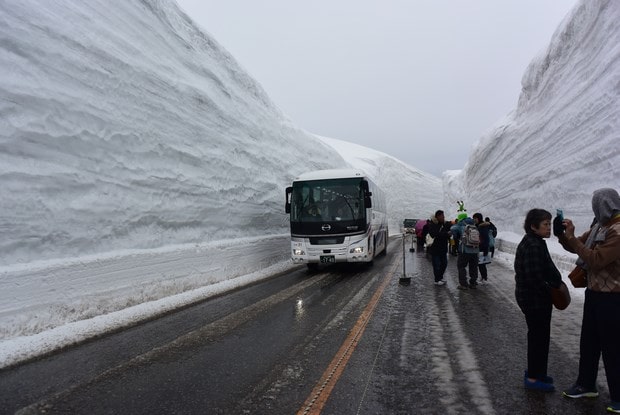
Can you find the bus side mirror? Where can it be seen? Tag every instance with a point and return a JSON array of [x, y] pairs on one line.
[[287, 205]]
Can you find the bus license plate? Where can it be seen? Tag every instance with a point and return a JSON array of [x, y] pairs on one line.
[[326, 259]]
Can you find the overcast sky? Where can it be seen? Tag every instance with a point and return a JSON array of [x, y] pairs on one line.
[[420, 80]]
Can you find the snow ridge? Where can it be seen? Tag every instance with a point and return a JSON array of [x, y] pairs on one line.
[[124, 126], [561, 142]]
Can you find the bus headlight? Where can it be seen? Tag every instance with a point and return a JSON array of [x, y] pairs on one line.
[[298, 251], [357, 250]]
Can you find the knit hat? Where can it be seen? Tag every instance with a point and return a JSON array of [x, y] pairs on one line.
[[605, 204]]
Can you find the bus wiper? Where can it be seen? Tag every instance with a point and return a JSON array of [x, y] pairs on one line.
[[350, 207], [303, 203]]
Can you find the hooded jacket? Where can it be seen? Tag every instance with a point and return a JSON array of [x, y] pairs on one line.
[[602, 255], [605, 204]]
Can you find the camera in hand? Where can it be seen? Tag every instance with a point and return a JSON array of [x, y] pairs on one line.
[[558, 226]]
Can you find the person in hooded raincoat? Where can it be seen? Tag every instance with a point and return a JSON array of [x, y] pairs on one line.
[[599, 254]]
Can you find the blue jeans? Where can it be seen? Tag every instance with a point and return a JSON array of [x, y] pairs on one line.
[[440, 263]]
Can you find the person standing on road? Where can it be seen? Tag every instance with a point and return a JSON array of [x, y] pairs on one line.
[[534, 273], [484, 230], [599, 254], [439, 230], [492, 236], [467, 255]]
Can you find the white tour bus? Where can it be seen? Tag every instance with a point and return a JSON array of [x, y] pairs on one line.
[[336, 216]]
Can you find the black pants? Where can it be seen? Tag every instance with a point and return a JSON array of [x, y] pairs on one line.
[[440, 263], [538, 339], [464, 261], [483, 271], [600, 334]]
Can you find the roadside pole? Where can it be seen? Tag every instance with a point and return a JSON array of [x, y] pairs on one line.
[[404, 280]]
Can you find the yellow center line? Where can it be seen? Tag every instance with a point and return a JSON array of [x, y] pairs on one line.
[[320, 394]]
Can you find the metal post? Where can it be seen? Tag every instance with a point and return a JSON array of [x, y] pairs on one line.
[[404, 273], [404, 280]]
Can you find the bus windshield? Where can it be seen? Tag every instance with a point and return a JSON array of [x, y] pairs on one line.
[[327, 200]]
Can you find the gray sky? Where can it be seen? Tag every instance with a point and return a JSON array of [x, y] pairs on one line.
[[420, 80]]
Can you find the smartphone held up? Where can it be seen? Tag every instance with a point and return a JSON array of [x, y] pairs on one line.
[[558, 223]]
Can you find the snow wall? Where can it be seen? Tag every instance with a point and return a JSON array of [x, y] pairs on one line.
[[563, 139]]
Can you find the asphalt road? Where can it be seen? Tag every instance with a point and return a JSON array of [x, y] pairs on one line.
[[344, 340]]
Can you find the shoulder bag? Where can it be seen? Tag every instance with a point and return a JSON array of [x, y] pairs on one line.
[[560, 296], [578, 277], [429, 240]]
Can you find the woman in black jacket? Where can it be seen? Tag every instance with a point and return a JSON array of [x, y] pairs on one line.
[[535, 272]]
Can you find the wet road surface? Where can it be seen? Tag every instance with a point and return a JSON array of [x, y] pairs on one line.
[[344, 340]]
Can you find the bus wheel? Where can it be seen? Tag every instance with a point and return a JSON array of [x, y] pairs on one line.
[[313, 266]]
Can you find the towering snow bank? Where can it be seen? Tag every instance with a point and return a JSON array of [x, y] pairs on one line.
[[563, 140], [137, 161], [123, 125]]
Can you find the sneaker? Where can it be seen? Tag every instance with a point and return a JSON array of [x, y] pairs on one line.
[[483, 282], [577, 391], [614, 407], [462, 287], [440, 282], [546, 379], [538, 385]]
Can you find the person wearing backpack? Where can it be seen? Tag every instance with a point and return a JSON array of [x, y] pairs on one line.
[[485, 233], [468, 237], [492, 235]]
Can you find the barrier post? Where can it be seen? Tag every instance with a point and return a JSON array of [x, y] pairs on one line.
[[404, 280]]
